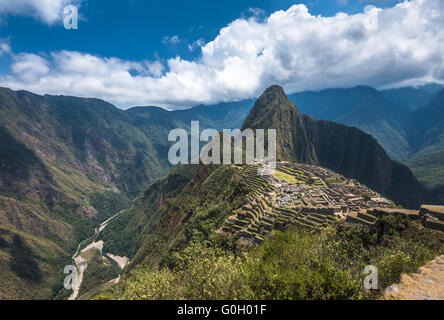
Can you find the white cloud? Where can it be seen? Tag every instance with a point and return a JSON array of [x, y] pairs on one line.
[[5, 47], [196, 44], [257, 12], [382, 47], [48, 11], [171, 40], [30, 67]]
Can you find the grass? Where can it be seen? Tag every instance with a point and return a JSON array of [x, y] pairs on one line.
[[333, 181], [287, 177], [31, 266]]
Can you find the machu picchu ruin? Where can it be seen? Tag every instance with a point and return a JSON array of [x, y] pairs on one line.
[[312, 197]]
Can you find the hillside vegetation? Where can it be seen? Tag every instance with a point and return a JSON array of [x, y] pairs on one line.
[[294, 264], [66, 165]]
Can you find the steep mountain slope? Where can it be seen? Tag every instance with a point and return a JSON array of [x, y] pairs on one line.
[[66, 164], [346, 150], [186, 206], [407, 122], [431, 122], [274, 111], [428, 162], [412, 98]]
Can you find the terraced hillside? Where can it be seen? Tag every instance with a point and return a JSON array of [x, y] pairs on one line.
[[66, 165], [301, 194], [312, 197]]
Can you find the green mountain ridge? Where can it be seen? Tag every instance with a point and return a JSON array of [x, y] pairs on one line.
[[67, 164]]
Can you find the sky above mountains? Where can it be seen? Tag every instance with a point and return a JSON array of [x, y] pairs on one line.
[[182, 53]]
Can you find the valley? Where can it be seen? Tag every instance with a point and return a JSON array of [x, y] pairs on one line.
[[66, 165], [96, 245]]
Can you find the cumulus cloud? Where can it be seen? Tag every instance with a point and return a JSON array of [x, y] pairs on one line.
[[48, 11], [293, 48]]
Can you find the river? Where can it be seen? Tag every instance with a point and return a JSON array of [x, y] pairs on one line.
[[82, 263]]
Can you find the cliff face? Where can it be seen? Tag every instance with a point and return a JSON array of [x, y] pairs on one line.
[[350, 151], [358, 155], [346, 150]]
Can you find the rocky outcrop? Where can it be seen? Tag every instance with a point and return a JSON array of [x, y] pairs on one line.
[[87, 211], [432, 217]]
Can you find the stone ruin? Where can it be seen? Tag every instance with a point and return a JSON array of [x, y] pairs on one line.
[[312, 197]]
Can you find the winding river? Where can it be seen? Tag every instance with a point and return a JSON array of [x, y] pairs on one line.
[[82, 263]]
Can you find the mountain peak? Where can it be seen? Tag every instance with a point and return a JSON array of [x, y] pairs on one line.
[[276, 90], [273, 110], [272, 101], [274, 94], [346, 150]]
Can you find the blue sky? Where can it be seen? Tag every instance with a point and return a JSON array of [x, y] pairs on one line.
[[134, 29], [145, 38]]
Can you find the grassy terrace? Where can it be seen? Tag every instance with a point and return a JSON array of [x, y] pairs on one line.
[[257, 184], [333, 181], [287, 177], [297, 176]]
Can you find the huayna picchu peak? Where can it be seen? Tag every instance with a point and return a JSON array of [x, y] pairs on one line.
[[346, 150]]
